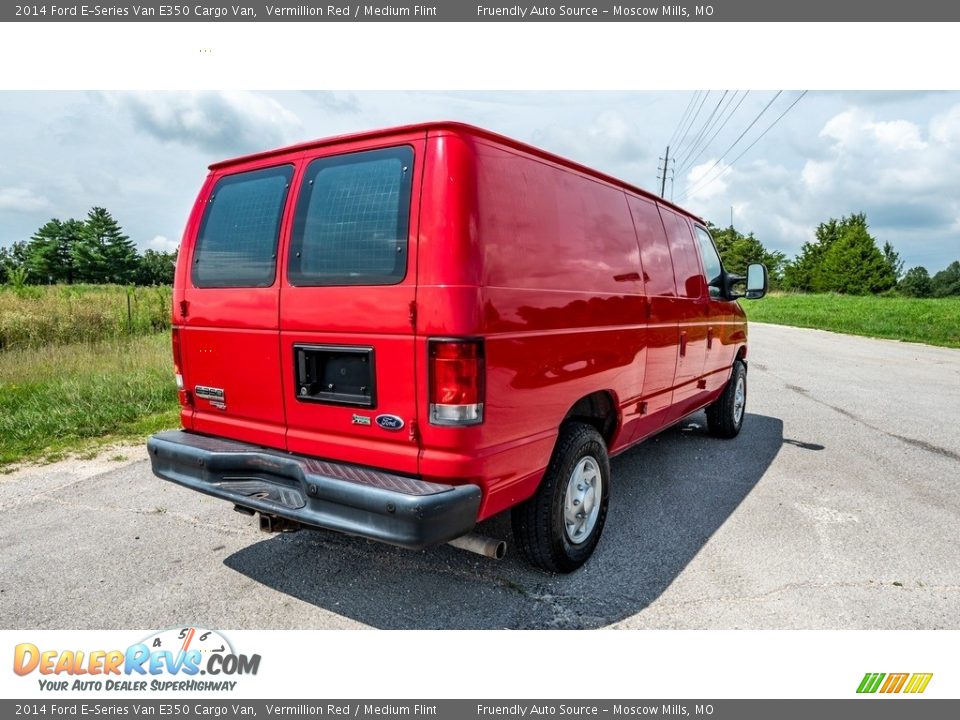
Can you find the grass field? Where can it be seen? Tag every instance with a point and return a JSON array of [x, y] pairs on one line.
[[37, 316], [936, 322], [77, 371], [71, 397]]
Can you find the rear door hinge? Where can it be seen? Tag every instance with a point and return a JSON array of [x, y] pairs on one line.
[[414, 432], [413, 314], [184, 308]]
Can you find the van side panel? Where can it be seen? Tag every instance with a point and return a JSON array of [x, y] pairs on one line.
[[563, 310]]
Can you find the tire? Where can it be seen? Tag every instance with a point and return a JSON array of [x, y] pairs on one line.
[[547, 528], [725, 415]]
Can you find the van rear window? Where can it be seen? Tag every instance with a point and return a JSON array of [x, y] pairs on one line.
[[237, 244], [351, 221]]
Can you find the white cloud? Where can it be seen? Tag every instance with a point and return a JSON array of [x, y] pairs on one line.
[[609, 141], [164, 244], [223, 122], [945, 128], [900, 172], [24, 200], [706, 180]]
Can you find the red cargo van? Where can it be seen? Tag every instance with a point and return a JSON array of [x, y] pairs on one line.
[[397, 334]]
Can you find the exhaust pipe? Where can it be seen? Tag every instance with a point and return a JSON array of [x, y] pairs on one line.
[[488, 547], [274, 524]]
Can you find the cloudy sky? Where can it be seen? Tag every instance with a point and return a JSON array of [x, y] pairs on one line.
[[893, 155]]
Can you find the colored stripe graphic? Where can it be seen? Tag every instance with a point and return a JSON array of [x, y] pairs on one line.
[[870, 682], [894, 682], [918, 683]]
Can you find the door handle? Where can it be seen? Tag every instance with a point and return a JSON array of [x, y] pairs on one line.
[[683, 343], [709, 338]]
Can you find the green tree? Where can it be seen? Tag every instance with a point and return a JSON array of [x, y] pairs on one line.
[[104, 253], [12, 259], [4, 265], [853, 264], [156, 268], [844, 258], [947, 282], [738, 251], [893, 260], [802, 272], [50, 251], [916, 283]]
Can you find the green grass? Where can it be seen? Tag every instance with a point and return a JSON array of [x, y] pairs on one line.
[[68, 398], [932, 321], [37, 316]]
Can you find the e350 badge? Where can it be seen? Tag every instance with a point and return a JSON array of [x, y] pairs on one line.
[[386, 422]]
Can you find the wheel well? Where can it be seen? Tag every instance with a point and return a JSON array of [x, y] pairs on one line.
[[597, 409], [742, 355]]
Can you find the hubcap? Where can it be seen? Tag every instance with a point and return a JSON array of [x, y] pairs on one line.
[[581, 503], [739, 399]]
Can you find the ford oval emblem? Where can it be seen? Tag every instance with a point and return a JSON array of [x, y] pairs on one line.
[[390, 422]]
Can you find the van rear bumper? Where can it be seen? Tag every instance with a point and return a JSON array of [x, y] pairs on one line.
[[316, 493]]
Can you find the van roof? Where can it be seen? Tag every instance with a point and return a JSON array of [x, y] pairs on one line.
[[459, 127]]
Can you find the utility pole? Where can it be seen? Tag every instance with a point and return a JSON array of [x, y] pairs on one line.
[[663, 177]]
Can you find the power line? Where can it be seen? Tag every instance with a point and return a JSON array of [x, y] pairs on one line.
[[693, 120], [722, 126], [703, 128], [747, 149], [683, 117], [739, 138], [691, 160]]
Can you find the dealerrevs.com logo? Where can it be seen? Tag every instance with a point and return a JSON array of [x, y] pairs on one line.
[[173, 659]]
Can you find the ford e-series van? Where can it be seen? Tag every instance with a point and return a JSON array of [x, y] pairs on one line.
[[398, 334]]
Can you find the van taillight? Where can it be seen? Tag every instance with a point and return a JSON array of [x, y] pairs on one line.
[[456, 382], [178, 367]]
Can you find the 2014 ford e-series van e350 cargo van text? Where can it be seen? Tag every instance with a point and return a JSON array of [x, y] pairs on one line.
[[400, 333]]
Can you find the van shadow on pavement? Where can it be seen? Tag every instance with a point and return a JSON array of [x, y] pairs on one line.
[[669, 496]]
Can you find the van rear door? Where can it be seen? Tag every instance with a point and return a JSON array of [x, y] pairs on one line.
[[347, 299], [229, 337]]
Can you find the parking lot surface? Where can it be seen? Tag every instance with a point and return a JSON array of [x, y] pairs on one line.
[[838, 506]]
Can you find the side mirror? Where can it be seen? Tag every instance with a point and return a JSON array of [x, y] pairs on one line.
[[757, 281]]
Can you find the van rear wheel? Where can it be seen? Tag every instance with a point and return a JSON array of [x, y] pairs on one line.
[[725, 414], [559, 527]]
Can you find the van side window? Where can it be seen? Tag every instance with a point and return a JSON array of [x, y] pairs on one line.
[[237, 242], [654, 250], [351, 221], [711, 260], [686, 269]]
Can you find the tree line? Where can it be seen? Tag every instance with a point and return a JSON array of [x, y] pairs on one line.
[[93, 250], [843, 257]]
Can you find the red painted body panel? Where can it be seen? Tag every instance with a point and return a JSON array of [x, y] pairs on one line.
[[576, 282]]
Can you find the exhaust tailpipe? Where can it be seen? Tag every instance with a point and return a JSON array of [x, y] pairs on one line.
[[488, 547], [274, 524]]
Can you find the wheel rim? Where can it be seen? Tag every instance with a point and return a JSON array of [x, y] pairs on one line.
[[581, 503], [739, 399]]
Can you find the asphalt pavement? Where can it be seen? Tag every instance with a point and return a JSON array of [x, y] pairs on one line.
[[838, 506]]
